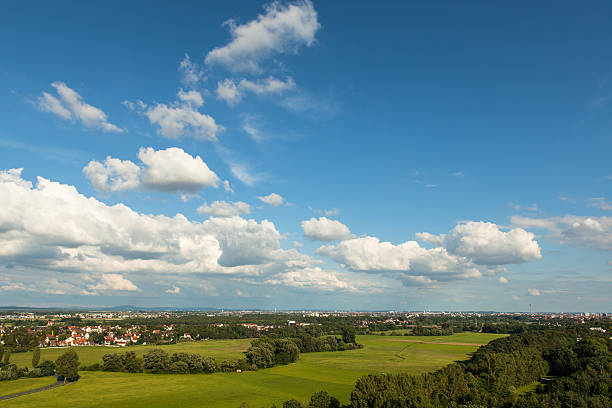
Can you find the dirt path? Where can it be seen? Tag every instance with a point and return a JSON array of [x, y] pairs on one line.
[[446, 343], [48, 387]]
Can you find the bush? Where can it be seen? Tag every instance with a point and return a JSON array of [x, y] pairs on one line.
[[93, 367], [322, 399], [47, 368], [209, 365], [292, 403], [34, 373], [179, 367]]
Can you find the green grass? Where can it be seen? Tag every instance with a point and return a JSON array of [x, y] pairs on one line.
[[24, 384], [219, 349], [334, 372]]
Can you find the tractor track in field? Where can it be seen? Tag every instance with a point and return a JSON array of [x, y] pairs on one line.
[[445, 343]]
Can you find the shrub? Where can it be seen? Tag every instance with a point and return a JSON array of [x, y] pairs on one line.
[[179, 367], [47, 368]]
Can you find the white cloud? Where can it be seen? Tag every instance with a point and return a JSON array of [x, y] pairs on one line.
[[224, 208], [228, 91], [168, 170], [578, 231], [71, 106], [174, 290], [533, 292], [227, 187], [232, 92], [272, 199], [436, 240], [189, 73], [599, 202], [53, 227], [315, 278], [113, 174], [180, 118], [468, 250], [174, 170], [502, 280], [282, 29], [486, 244], [192, 98], [324, 229], [113, 281], [368, 254], [514, 297]]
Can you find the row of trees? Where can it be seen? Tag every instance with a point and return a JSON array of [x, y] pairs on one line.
[[158, 361], [65, 367]]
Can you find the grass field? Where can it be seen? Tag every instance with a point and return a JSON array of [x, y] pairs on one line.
[[219, 349], [24, 384], [334, 372]]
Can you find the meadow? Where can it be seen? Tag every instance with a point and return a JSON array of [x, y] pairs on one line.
[[335, 372]]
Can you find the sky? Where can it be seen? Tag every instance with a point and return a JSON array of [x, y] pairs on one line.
[[307, 155]]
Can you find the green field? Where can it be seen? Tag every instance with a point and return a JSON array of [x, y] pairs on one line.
[[219, 349], [24, 384], [335, 372]]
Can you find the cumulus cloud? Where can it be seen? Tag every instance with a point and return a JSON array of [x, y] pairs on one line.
[[224, 208], [69, 105], [533, 292], [502, 280], [232, 92], [324, 229], [272, 199], [54, 227], [578, 231], [180, 118], [437, 240], [170, 170], [469, 249], [174, 170], [282, 29], [174, 290], [486, 244], [113, 174], [113, 281], [368, 254]]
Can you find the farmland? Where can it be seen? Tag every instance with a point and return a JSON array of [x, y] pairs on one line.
[[335, 372]]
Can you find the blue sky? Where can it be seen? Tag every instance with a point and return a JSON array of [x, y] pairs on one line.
[[318, 155]]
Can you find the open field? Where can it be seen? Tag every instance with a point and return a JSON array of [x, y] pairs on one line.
[[335, 372], [219, 349]]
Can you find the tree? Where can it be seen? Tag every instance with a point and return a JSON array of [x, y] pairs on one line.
[[36, 357], [112, 362], [322, 399], [348, 334], [67, 365], [131, 363], [156, 361], [285, 351], [292, 403], [97, 338], [7, 357], [1, 351]]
